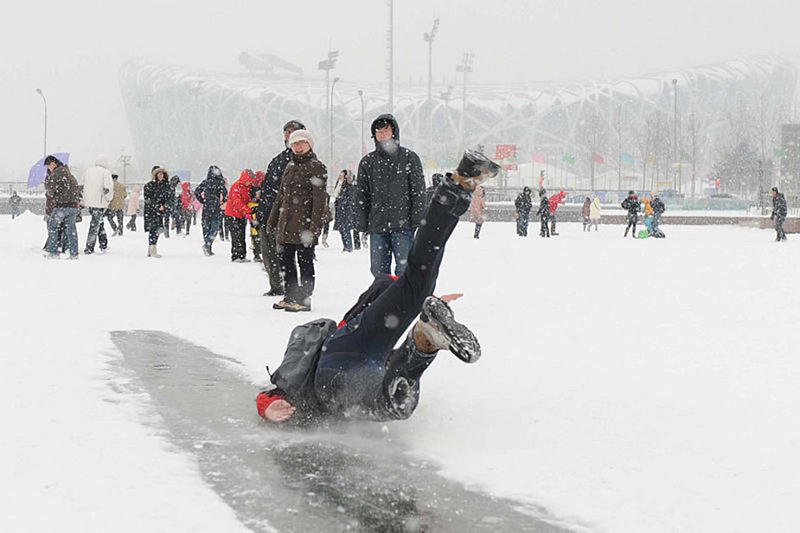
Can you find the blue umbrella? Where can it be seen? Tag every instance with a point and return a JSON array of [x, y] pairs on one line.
[[39, 172]]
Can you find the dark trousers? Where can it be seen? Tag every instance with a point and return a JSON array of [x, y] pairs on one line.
[[632, 219], [356, 240], [238, 241], [522, 224], [187, 215], [116, 226], [271, 258], [179, 218], [131, 225], [97, 231], [166, 217], [781, 234], [359, 366], [292, 257], [210, 229], [544, 230], [553, 224], [152, 235], [347, 239], [477, 233]]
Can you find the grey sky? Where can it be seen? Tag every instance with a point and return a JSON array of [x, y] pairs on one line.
[[73, 50]]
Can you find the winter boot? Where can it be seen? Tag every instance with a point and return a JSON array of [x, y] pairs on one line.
[[294, 307], [153, 252], [437, 329], [282, 304]]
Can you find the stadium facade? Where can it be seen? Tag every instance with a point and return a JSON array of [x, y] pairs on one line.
[[595, 134]]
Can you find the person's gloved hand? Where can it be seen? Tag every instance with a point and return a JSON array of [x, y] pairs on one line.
[[279, 411]]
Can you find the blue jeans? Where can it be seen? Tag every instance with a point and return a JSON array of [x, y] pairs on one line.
[[383, 246], [59, 215], [211, 227]]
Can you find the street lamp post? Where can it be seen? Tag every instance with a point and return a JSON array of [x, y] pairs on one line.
[[327, 65], [363, 143], [677, 161], [45, 119], [429, 38], [333, 86], [465, 67]]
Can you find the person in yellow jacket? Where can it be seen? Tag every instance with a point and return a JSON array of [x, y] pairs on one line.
[[648, 215]]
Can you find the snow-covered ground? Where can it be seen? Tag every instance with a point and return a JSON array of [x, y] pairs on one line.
[[626, 385]]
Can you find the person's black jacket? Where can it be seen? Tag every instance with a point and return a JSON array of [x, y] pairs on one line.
[[390, 188], [779, 209], [272, 183], [212, 193], [156, 196], [343, 208], [524, 204], [631, 204], [544, 207], [658, 206]]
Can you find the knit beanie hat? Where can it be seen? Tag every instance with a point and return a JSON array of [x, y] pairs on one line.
[[301, 135]]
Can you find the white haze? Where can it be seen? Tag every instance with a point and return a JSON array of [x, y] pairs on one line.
[[73, 50]]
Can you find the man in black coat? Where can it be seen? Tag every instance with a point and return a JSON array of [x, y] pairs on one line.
[[544, 214], [212, 193], [779, 212], [631, 205], [390, 197], [658, 209], [523, 205], [269, 192]]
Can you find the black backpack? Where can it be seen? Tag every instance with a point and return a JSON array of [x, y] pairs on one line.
[[295, 375]]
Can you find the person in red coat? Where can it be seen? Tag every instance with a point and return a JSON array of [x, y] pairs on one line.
[[240, 213], [553, 202]]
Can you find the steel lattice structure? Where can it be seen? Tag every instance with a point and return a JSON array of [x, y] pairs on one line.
[[190, 119]]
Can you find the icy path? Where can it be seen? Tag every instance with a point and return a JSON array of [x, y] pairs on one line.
[[628, 386]]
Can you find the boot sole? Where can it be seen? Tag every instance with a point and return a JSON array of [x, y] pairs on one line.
[[463, 342]]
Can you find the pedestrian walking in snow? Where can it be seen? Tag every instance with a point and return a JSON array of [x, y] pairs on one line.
[[779, 213], [157, 201], [477, 208], [523, 205], [98, 191], [327, 218], [355, 370], [544, 214], [240, 212], [185, 206], [211, 193], [436, 179], [133, 207], [63, 196], [595, 213], [586, 213], [344, 197], [15, 201], [658, 210], [296, 220], [269, 192], [390, 197], [554, 202], [631, 206], [116, 206]]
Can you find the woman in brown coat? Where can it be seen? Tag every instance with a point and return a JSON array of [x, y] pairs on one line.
[[296, 220]]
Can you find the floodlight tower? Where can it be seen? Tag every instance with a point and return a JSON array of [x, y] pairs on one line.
[[327, 65], [390, 46], [429, 38], [467, 62]]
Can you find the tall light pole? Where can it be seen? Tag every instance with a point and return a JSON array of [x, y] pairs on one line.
[[363, 143], [45, 119], [429, 38], [619, 153], [327, 65], [333, 86], [465, 68], [390, 45], [677, 161], [126, 162]]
